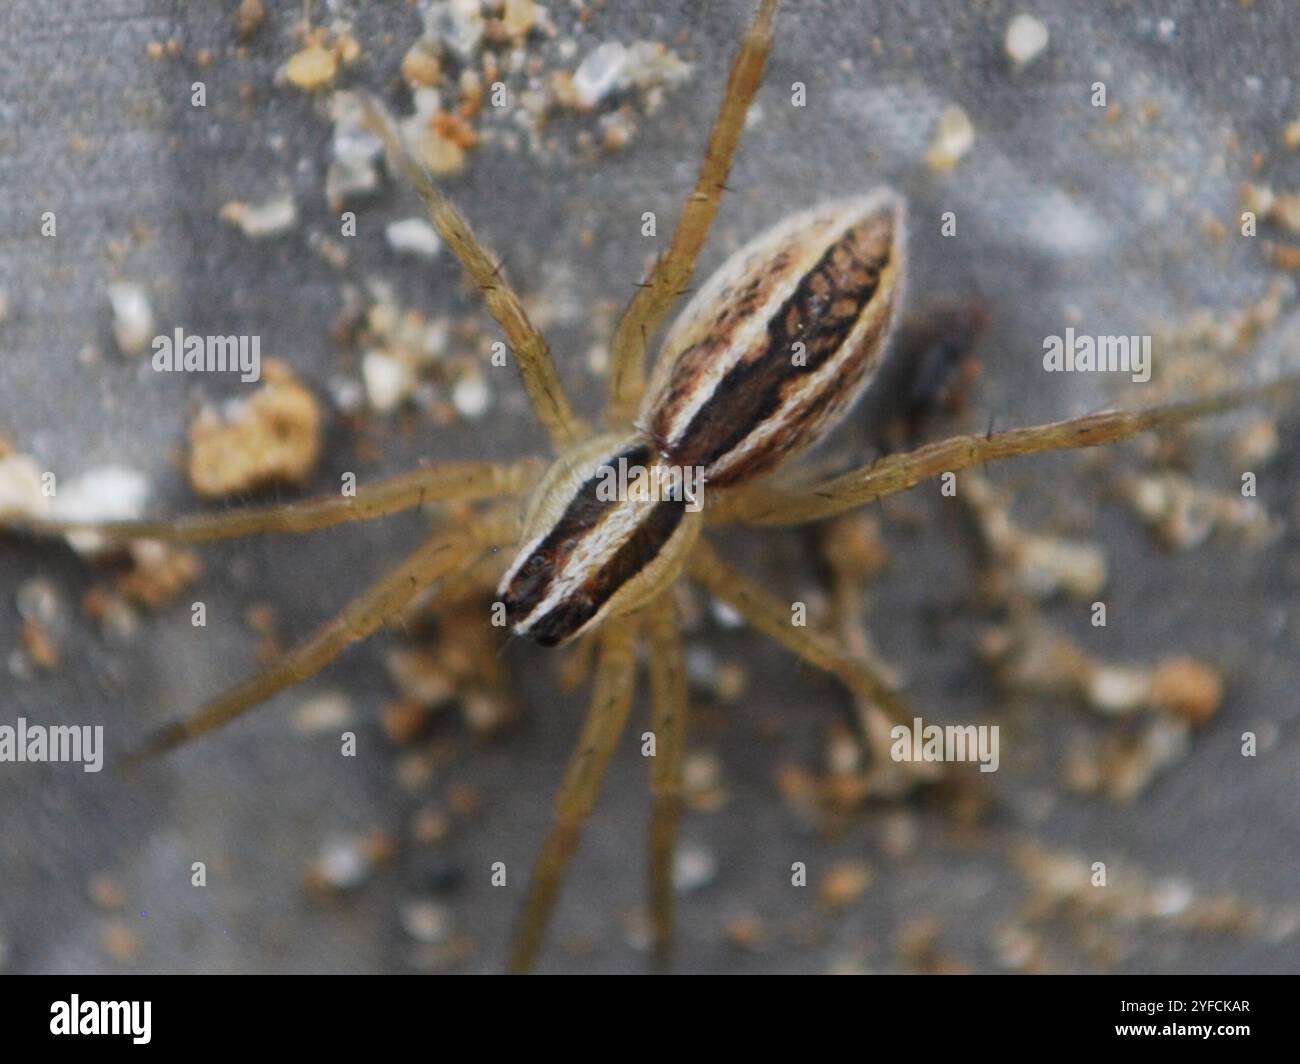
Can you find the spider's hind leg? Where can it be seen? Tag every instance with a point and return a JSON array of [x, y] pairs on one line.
[[669, 707], [878, 704]]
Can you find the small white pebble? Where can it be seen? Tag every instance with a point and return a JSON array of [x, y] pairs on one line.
[[1025, 40], [953, 137], [342, 864], [325, 712], [426, 921], [133, 325], [602, 73], [470, 396], [694, 867], [388, 381], [272, 218], [110, 493], [413, 236]]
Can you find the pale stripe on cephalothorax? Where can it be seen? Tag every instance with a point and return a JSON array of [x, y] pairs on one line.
[[591, 550]]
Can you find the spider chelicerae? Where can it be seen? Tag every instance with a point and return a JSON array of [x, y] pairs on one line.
[[767, 356]]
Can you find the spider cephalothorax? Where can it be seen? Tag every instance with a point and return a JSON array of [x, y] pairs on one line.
[[765, 358]]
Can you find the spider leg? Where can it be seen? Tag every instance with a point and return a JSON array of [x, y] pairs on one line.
[[442, 554], [772, 617], [896, 473], [611, 699], [441, 483], [541, 379], [669, 707], [672, 272]]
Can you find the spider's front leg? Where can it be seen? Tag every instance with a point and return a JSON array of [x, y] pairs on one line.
[[672, 272], [449, 482], [537, 367], [611, 699], [443, 554]]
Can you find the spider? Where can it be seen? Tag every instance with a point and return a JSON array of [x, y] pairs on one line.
[[768, 355]]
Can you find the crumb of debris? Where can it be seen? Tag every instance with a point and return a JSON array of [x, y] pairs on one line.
[[1281, 209], [702, 782], [249, 16], [345, 863], [313, 68], [133, 321], [106, 892], [120, 942], [421, 67], [21, 488], [1025, 39], [40, 646], [1184, 514], [273, 218], [4, 306], [159, 573], [746, 931], [272, 437], [1187, 688], [845, 883], [953, 137]]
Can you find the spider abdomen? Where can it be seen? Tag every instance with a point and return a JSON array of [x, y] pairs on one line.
[[779, 343]]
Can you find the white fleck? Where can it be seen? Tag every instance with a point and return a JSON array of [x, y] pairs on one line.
[[110, 493], [725, 615], [272, 218], [470, 396], [388, 380], [458, 24], [694, 867], [953, 137], [1166, 28], [133, 325], [425, 921], [413, 236], [325, 712], [601, 74], [1025, 40]]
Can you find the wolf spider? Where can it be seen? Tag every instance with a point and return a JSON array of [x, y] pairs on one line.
[[730, 396]]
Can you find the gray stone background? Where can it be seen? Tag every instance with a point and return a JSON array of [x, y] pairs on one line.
[[1050, 220]]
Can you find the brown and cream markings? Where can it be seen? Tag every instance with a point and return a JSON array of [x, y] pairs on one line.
[[766, 358]]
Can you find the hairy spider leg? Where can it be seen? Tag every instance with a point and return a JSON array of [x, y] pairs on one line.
[[672, 272], [536, 365], [611, 699], [442, 554]]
